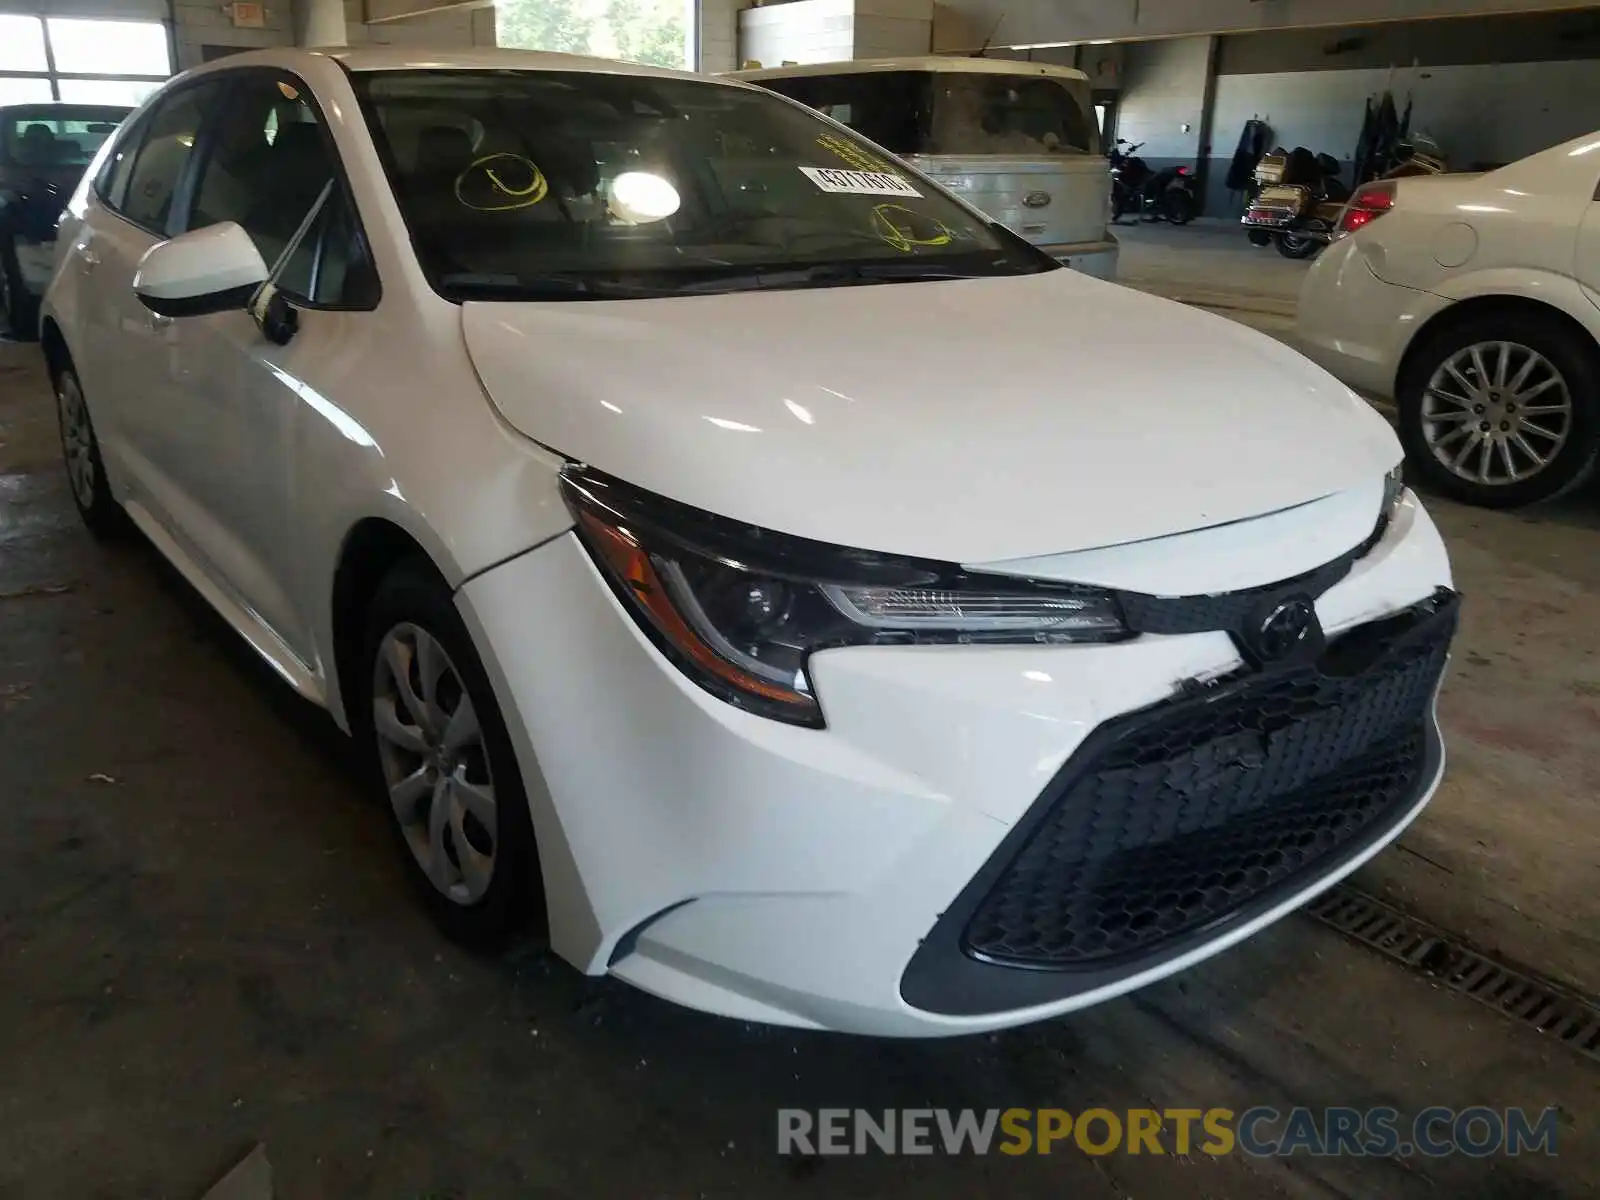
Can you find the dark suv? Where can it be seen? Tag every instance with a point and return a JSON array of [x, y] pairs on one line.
[[44, 149]]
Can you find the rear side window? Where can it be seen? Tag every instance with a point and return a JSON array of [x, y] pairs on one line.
[[159, 164], [891, 108]]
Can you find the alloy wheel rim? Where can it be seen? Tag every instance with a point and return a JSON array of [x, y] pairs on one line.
[[77, 443], [435, 763], [1496, 413]]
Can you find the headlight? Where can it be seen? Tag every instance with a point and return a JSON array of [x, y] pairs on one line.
[[741, 609]]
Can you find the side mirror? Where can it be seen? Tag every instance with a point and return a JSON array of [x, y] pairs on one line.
[[210, 270]]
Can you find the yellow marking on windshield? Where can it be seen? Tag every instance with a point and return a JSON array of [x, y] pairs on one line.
[[889, 222], [505, 181], [854, 155]]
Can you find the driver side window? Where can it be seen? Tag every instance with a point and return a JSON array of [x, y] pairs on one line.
[[268, 160]]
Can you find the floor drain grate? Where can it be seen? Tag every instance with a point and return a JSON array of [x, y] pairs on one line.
[[1553, 1010]]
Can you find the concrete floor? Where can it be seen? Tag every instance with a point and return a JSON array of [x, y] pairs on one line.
[[207, 941]]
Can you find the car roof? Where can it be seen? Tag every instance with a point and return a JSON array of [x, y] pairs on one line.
[[365, 59], [927, 62], [425, 58], [406, 58]]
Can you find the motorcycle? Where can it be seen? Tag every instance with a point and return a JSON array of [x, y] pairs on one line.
[[1300, 216], [1169, 194], [1298, 196]]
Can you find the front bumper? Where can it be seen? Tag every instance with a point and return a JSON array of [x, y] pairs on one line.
[[1092, 258], [790, 875]]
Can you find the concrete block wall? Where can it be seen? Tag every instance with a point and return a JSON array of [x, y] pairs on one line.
[[892, 28], [460, 28], [815, 31], [806, 31], [203, 27], [1164, 89], [719, 35]]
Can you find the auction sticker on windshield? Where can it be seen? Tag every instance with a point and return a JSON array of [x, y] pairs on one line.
[[859, 183]]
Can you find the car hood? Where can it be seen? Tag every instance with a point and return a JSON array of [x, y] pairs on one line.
[[971, 420]]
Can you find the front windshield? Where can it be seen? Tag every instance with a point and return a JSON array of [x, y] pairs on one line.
[[58, 136], [543, 184]]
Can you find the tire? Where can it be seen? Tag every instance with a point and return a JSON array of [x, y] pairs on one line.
[[1119, 204], [442, 790], [1428, 418], [1178, 206], [1297, 245], [1258, 237], [80, 452], [19, 308]]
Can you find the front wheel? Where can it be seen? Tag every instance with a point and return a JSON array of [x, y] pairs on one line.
[[433, 735], [1502, 410], [80, 450], [1119, 204]]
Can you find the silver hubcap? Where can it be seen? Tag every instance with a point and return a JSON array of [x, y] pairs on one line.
[[1496, 413], [434, 763], [76, 441]]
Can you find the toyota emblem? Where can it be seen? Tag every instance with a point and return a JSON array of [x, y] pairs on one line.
[[1285, 627]]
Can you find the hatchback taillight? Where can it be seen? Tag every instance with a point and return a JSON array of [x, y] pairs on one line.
[[1365, 207]]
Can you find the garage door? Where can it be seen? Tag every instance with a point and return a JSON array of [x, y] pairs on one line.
[[81, 59]]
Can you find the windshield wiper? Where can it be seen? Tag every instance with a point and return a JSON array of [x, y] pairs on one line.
[[469, 285], [828, 275]]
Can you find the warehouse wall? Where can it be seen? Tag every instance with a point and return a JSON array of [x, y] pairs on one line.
[[719, 34], [458, 28], [1167, 86], [815, 31], [1017, 22], [204, 31], [1489, 91]]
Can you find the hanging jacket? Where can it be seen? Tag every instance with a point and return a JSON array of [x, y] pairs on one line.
[[1365, 147], [1252, 145]]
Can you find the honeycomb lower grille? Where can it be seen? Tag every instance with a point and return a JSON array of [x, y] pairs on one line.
[[1186, 813]]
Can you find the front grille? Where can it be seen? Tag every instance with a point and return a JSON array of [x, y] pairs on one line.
[[1186, 813]]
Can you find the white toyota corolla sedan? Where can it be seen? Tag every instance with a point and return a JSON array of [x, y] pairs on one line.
[[1474, 301], [732, 551]]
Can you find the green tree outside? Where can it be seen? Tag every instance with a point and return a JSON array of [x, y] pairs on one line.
[[644, 31]]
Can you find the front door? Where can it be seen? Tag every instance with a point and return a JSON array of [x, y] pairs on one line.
[[234, 398]]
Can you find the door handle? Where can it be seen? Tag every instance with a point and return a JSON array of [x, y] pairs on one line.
[[157, 321], [88, 257]]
